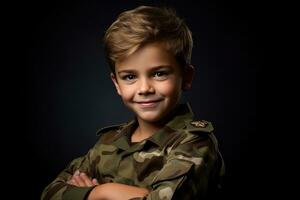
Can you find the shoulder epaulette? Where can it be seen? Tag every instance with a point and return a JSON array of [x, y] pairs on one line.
[[199, 126], [109, 128]]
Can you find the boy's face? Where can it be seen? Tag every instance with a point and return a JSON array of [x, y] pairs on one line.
[[150, 82]]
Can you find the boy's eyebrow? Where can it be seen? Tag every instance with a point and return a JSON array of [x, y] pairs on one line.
[[152, 69], [160, 67], [126, 71]]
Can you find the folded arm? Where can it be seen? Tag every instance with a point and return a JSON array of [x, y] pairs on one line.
[[107, 191]]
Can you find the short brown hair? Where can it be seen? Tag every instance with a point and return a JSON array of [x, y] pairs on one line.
[[146, 24]]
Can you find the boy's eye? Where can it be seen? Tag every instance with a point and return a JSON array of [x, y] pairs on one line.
[[160, 74], [128, 77]]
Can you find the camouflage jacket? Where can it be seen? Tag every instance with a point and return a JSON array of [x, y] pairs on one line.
[[180, 161]]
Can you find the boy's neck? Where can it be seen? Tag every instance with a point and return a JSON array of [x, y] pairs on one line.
[[145, 130]]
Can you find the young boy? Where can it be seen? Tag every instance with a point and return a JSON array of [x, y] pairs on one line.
[[163, 153]]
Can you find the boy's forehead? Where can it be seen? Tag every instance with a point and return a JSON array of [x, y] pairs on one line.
[[151, 55]]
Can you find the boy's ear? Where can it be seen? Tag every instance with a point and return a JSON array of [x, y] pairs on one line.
[[188, 75], [114, 80]]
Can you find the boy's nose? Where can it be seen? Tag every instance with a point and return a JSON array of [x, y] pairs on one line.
[[145, 87]]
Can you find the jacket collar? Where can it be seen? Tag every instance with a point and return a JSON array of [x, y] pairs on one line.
[[162, 137]]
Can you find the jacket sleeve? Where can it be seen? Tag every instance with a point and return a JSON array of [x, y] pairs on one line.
[[60, 190], [188, 173]]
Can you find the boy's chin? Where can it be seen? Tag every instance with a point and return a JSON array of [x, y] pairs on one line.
[[149, 117]]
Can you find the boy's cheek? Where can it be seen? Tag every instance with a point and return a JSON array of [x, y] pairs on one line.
[[170, 89], [126, 92]]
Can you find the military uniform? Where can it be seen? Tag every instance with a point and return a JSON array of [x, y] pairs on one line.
[[180, 161]]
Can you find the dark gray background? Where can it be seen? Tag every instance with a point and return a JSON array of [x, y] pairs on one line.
[[69, 94]]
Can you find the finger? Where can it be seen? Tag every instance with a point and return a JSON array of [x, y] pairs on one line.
[[72, 182], [79, 181], [76, 173], [95, 181], [86, 179]]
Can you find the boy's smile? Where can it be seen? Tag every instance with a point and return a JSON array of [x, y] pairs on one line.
[[149, 82]]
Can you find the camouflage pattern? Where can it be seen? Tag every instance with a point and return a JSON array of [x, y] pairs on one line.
[[180, 161]]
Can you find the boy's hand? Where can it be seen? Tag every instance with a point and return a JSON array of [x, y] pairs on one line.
[[80, 179]]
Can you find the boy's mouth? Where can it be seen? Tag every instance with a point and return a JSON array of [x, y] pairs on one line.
[[148, 103]]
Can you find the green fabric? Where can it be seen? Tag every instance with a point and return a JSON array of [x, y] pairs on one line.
[[76, 193], [179, 157]]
